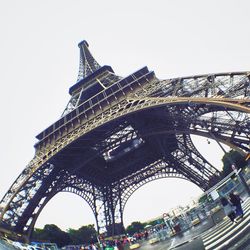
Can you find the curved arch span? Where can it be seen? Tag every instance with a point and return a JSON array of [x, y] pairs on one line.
[[225, 141], [146, 181], [221, 140], [72, 190], [164, 194], [81, 194], [149, 102]]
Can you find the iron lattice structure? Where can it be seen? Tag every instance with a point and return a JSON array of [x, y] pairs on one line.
[[119, 133]]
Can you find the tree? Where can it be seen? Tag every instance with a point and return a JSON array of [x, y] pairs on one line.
[[85, 234], [232, 157], [52, 233], [203, 199], [155, 222], [135, 227]]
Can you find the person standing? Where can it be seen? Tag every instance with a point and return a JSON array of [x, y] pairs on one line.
[[120, 245], [228, 208], [93, 246], [236, 201]]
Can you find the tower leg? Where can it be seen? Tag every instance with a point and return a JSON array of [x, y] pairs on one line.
[[109, 217]]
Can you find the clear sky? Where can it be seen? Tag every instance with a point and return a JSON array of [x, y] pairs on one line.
[[39, 60]]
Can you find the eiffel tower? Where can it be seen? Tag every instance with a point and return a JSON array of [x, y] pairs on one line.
[[119, 133]]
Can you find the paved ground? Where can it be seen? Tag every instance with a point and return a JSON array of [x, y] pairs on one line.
[[5, 246], [212, 234]]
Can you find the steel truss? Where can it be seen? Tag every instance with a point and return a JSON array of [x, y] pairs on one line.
[[140, 118]]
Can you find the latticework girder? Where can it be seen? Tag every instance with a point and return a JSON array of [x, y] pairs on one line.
[[109, 120], [88, 64]]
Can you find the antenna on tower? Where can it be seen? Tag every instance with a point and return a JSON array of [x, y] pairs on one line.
[[88, 64]]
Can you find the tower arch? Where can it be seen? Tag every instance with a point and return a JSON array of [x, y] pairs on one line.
[[110, 119]]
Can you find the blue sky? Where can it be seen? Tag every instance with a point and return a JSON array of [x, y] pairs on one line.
[[40, 58]]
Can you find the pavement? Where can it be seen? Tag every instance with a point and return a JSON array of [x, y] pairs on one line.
[[6, 246], [215, 233], [226, 234]]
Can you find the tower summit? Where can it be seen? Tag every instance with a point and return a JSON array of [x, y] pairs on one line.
[[88, 64], [92, 78]]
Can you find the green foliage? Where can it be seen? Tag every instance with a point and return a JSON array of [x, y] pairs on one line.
[[52, 233], [85, 234], [155, 222], [203, 199], [135, 227], [232, 157]]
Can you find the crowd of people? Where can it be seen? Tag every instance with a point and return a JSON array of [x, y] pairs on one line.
[[117, 243], [124, 241]]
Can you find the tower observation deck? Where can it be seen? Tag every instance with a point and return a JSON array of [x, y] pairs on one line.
[[119, 133]]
